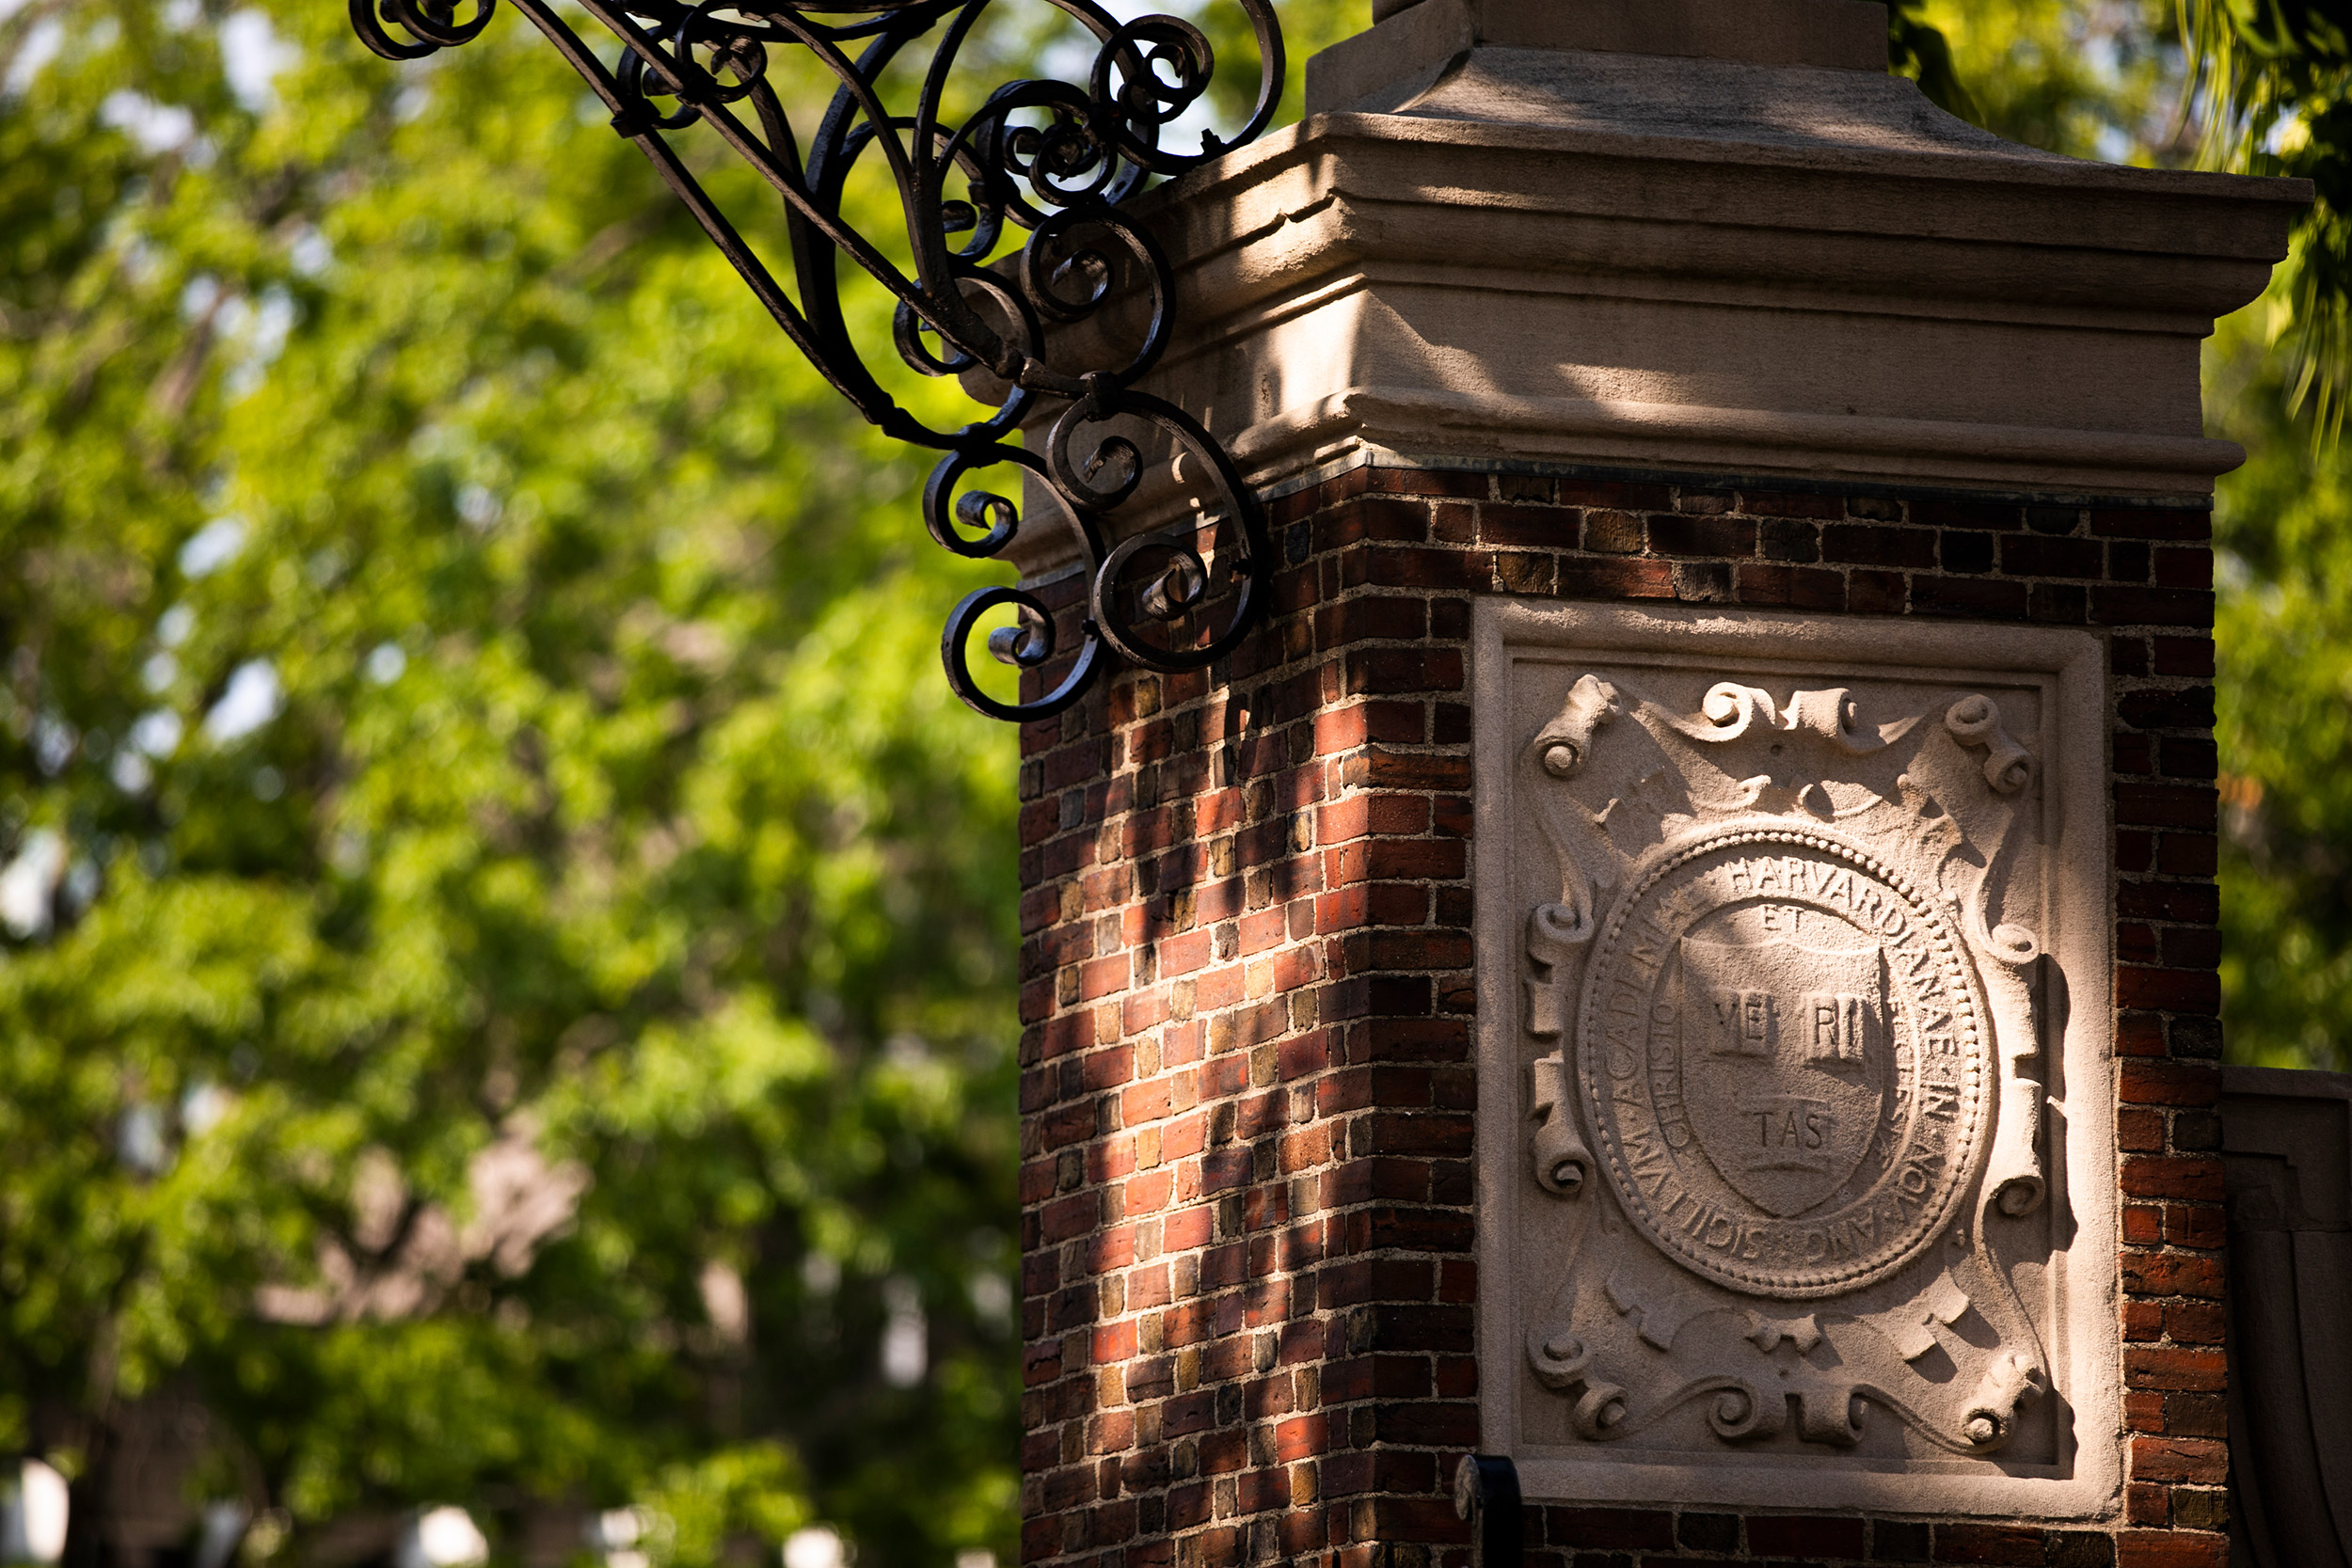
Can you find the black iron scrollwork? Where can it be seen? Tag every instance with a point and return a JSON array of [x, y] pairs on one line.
[[1052, 157]]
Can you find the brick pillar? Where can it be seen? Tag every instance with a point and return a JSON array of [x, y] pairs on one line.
[[1248, 1078], [1248, 1085], [1523, 317]]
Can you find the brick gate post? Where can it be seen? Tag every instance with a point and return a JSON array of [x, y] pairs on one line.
[[1682, 955]]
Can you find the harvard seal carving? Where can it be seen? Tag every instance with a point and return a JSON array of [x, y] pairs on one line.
[[1784, 1057]]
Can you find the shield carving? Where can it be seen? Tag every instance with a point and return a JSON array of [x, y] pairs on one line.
[[1785, 1051]]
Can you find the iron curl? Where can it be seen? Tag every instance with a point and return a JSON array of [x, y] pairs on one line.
[[1052, 157]]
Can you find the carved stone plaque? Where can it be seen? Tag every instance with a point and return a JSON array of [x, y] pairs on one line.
[[1792, 943]]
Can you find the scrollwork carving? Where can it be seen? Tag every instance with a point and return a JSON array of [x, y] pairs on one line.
[[1734, 712], [1564, 743], [1975, 721], [1562, 1160]]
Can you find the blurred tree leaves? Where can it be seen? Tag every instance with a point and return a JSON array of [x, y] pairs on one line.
[[1917, 48], [2088, 78], [2284, 564], [508, 996], [2274, 81]]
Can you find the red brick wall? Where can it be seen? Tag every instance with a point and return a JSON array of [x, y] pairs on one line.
[[1247, 1074]]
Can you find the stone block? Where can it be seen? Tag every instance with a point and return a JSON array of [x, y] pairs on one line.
[[1786, 927]]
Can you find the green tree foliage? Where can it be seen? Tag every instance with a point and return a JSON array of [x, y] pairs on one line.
[[2285, 531], [2088, 78], [2274, 85], [507, 990], [1917, 48]]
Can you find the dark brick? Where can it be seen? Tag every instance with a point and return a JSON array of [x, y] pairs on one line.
[[1391, 617], [2079, 1548], [2188, 854], [1876, 593], [2012, 1545], [1782, 504], [1453, 522], [2188, 708], [1618, 1529], [1394, 519], [1429, 481], [2166, 1083], [2150, 607], [1703, 581], [2197, 1461], [1606, 579], [1804, 1535], [2196, 1132], [1793, 587], [1789, 539], [2054, 519], [1990, 597], [2172, 991], [1613, 533], [2152, 523], [1898, 1541], [1965, 552], [1616, 496], [2061, 604], [1550, 526], [2195, 1038], [1863, 544], [1382, 671], [2006, 517], [2184, 656], [2189, 758], [2184, 569], [2172, 1176], [1677, 534], [2026, 555], [1708, 1532], [2185, 948], [2144, 805], [1516, 573]]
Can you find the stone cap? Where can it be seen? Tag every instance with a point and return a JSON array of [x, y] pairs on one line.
[[1841, 35], [1495, 253], [1422, 43]]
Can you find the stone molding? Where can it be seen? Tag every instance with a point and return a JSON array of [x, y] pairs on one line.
[[1799, 867], [1403, 424], [1695, 264]]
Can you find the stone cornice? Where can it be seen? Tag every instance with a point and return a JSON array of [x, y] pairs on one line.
[[1694, 264]]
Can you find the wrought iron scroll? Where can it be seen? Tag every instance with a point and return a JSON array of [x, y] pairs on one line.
[[1049, 156]]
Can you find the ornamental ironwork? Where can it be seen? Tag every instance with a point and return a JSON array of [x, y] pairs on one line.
[[1056, 158]]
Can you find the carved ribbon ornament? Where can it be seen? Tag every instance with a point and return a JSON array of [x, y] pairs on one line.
[[1055, 158]]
